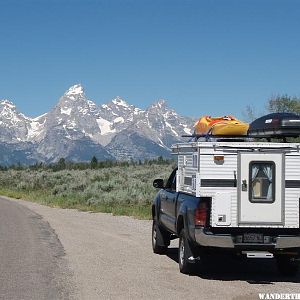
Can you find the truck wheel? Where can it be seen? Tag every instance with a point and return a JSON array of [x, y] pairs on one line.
[[184, 251], [158, 243], [287, 266]]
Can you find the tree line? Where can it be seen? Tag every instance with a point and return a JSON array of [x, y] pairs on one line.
[[94, 163]]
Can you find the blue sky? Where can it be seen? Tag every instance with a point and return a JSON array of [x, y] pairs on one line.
[[203, 57]]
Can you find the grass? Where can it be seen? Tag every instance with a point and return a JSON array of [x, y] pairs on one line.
[[120, 190]]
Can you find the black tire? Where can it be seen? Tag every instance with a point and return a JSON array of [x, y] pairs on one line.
[[159, 244], [184, 250], [287, 266]]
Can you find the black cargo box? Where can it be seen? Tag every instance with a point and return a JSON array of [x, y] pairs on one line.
[[276, 125]]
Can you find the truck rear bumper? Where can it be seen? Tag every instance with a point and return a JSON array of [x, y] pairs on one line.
[[227, 241], [287, 242], [213, 240]]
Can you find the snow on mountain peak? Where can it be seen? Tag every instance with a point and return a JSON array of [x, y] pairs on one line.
[[77, 118], [7, 103], [119, 101], [160, 103], [76, 89]]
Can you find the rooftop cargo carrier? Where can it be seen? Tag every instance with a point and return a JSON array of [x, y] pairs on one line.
[[276, 125]]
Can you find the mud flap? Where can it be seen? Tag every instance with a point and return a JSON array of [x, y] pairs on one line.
[[160, 241]]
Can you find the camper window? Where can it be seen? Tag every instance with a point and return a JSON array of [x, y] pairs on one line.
[[262, 179]]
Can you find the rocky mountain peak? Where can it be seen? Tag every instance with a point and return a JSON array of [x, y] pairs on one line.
[[13, 124], [74, 101], [120, 102], [75, 90], [76, 127], [7, 103], [118, 108], [8, 110], [160, 105]]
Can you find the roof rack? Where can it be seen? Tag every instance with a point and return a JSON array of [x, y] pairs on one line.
[[237, 138]]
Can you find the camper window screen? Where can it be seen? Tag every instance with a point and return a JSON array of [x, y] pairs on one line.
[[262, 182]]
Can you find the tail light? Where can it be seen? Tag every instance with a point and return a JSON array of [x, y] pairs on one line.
[[200, 216]]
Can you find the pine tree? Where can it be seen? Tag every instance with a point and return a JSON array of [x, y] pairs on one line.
[[94, 162]]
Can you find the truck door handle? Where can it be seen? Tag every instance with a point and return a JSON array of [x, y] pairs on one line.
[[164, 197]]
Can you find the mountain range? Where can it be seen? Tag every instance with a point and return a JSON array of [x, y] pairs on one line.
[[77, 129]]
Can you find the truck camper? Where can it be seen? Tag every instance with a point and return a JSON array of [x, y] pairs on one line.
[[238, 193]]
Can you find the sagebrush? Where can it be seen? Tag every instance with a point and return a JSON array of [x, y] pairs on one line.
[[119, 189]]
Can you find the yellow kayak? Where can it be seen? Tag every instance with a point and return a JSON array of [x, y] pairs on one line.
[[227, 125]]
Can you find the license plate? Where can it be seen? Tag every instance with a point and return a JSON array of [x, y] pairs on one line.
[[253, 238]]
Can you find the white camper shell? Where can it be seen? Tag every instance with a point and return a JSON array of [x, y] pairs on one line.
[[251, 184]]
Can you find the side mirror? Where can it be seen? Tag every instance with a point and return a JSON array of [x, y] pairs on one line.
[[158, 183]]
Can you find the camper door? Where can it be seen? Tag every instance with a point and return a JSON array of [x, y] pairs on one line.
[[260, 188]]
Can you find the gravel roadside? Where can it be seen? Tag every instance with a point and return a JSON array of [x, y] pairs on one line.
[[111, 258]]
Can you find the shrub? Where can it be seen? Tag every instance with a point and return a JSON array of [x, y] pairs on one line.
[[122, 188]]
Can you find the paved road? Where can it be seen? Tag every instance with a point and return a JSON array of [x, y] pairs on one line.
[[111, 258], [31, 257]]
